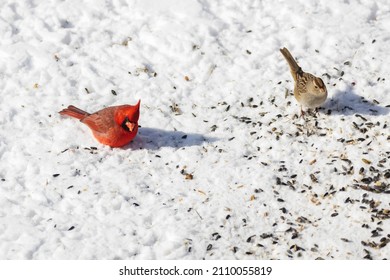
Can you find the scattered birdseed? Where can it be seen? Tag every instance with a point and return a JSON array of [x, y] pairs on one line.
[[313, 178], [249, 239], [266, 235], [366, 161]]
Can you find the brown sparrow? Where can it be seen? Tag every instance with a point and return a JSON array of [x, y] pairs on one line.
[[309, 91]]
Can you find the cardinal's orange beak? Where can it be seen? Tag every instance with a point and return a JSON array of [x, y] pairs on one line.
[[131, 126]]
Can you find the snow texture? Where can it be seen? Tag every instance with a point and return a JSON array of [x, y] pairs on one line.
[[223, 167]]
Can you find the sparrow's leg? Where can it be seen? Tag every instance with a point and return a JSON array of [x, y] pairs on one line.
[[302, 112]]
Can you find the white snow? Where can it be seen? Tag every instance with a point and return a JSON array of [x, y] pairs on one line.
[[264, 184]]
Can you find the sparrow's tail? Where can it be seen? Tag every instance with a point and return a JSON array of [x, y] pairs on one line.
[[74, 112], [294, 67]]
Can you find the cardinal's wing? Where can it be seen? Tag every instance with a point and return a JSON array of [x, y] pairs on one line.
[[101, 121]]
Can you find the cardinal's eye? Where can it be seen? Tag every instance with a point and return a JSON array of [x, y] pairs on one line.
[[124, 124]]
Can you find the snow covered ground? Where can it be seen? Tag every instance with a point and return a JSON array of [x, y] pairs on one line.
[[222, 168]]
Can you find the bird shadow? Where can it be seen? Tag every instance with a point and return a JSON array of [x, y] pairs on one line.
[[154, 139], [348, 102]]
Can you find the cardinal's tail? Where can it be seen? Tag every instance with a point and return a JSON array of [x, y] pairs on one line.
[[74, 112]]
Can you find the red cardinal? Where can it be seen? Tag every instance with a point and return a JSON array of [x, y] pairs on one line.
[[114, 126]]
